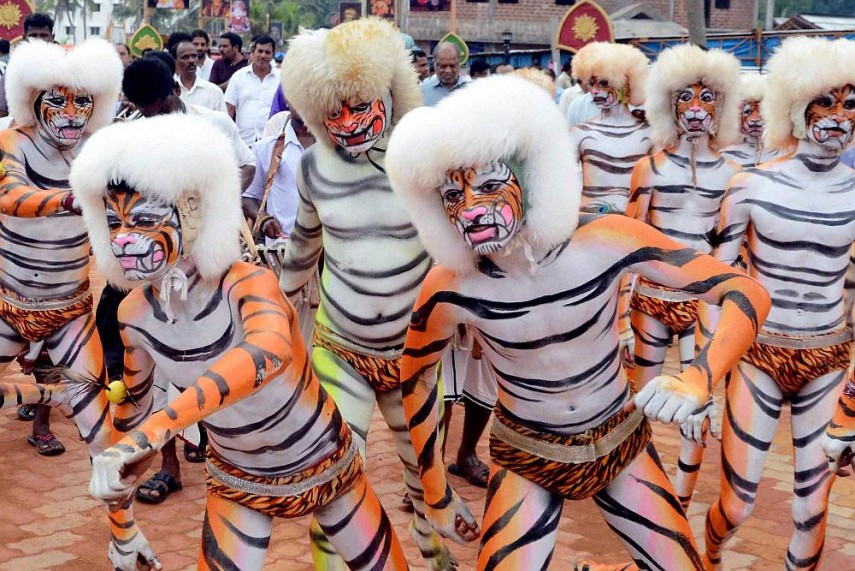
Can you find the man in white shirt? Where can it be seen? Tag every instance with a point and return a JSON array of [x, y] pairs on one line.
[[251, 90], [202, 42], [195, 90]]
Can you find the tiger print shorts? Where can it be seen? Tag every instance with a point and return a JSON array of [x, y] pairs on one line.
[[793, 367], [652, 299], [570, 481], [305, 501], [382, 373], [36, 324]]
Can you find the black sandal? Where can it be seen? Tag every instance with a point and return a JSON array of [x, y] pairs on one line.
[[161, 484], [197, 454], [27, 412], [472, 470]]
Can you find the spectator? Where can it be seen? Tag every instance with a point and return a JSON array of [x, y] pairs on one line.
[[420, 62], [231, 61], [503, 68], [37, 26], [124, 54], [174, 39], [564, 81], [251, 90], [446, 59], [4, 56], [193, 89], [204, 64], [479, 68]]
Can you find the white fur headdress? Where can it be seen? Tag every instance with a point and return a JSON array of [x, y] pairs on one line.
[[358, 61], [93, 66], [800, 71], [168, 158], [683, 65], [621, 65], [752, 87], [500, 117]]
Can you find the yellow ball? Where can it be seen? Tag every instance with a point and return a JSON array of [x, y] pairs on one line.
[[116, 392]]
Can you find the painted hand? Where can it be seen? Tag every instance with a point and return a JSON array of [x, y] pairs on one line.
[[132, 554], [451, 518], [669, 398], [706, 419], [116, 471]]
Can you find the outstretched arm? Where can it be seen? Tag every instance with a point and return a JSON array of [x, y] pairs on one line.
[[744, 305], [240, 371], [305, 243], [431, 328]]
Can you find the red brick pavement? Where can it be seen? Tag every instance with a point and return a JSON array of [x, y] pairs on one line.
[[47, 520]]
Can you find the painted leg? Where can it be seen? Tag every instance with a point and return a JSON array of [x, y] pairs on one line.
[[359, 529], [78, 347], [355, 400], [691, 453], [640, 506], [752, 410], [233, 537], [520, 523], [812, 408], [428, 540]]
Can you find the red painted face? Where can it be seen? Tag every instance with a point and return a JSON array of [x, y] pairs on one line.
[[145, 236], [63, 113], [752, 121], [356, 128], [830, 119], [485, 205], [604, 95], [695, 109]]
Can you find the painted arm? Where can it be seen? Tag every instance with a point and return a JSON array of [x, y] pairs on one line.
[[431, 328], [744, 306], [264, 353], [17, 195], [306, 241], [640, 189]]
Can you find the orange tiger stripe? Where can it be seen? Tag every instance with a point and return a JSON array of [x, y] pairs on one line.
[[382, 374]]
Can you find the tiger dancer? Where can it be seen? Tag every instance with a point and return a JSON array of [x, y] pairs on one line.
[[351, 85], [693, 108], [750, 151], [609, 145], [57, 97], [797, 214], [164, 216], [491, 177]]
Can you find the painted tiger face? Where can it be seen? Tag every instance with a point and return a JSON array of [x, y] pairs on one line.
[[145, 235], [357, 127], [485, 205], [604, 95], [752, 121], [695, 109], [830, 119], [62, 114]]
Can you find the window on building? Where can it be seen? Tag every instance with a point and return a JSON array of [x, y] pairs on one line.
[[94, 30], [565, 2], [96, 7], [722, 4], [69, 31], [508, 1]]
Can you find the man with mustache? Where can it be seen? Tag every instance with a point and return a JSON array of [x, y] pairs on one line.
[[797, 214], [446, 61], [693, 108], [194, 89]]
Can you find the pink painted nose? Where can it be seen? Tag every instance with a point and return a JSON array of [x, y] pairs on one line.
[[123, 240], [472, 214]]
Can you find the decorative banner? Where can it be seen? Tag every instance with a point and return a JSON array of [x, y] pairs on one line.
[[239, 18], [347, 12], [214, 9], [457, 41], [430, 5], [382, 9], [146, 38], [12, 14], [275, 31], [584, 23], [168, 4]]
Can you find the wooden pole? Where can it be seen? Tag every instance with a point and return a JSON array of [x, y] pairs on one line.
[[452, 14]]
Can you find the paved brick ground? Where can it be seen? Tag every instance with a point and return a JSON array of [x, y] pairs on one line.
[[47, 520]]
